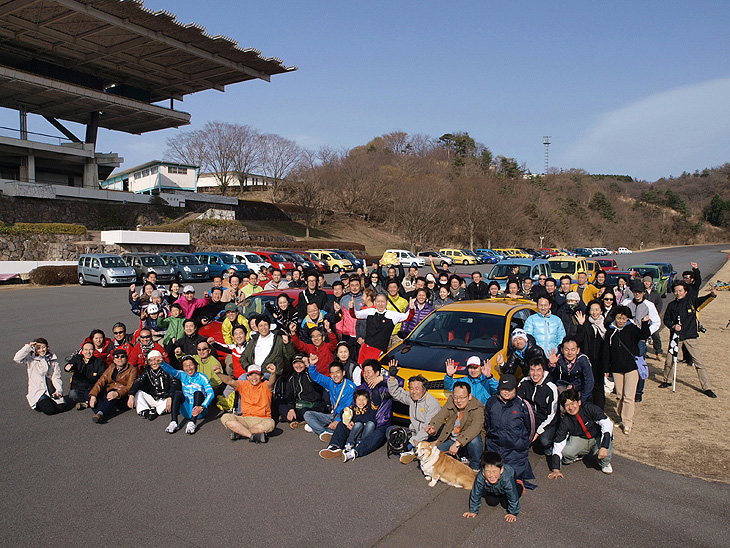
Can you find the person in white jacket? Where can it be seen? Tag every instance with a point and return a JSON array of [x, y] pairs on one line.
[[45, 388]]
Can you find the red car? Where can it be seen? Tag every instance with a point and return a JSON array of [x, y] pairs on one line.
[[607, 264], [321, 265], [276, 260], [550, 251]]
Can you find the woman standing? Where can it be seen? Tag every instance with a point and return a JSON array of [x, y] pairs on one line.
[[619, 356], [591, 334], [45, 388]]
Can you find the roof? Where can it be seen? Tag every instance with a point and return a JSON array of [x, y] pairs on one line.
[[149, 164], [499, 306]]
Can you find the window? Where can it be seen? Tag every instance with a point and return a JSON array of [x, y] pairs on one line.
[[178, 170], [95, 263], [153, 170], [145, 172], [138, 175]]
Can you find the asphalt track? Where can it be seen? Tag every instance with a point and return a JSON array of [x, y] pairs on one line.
[[68, 482]]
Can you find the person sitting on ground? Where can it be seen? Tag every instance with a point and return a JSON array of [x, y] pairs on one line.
[[352, 369], [283, 313], [443, 298], [233, 319], [189, 303], [545, 327], [323, 346], [85, 369], [358, 421], [207, 363], [267, 347], [255, 421], [521, 351], [539, 391], [510, 425], [301, 394], [478, 376], [108, 396], [572, 369], [174, 328], [152, 391], [340, 392], [276, 283], [138, 356], [188, 344], [194, 397], [422, 407], [584, 429], [43, 372], [379, 326], [121, 339], [496, 483], [102, 344], [458, 425]]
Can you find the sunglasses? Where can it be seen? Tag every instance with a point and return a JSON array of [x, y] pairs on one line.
[[119, 332], [609, 300], [145, 336], [202, 348], [119, 357]]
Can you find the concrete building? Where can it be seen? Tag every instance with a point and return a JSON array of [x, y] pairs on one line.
[[154, 176], [240, 181]]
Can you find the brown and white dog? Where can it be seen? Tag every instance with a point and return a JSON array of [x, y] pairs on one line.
[[436, 466]]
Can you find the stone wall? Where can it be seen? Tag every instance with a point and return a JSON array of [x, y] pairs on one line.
[[39, 247]]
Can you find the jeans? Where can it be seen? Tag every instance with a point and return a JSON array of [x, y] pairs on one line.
[[106, 407], [48, 406], [642, 353], [545, 440], [578, 447], [318, 422], [473, 450], [371, 439]]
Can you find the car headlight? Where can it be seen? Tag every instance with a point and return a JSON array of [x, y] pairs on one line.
[[206, 269], [186, 268]]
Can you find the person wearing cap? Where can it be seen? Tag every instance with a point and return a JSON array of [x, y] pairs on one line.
[[652, 295], [479, 377], [301, 394], [149, 319], [586, 291], [152, 391], [584, 430], [547, 328], [572, 369], [108, 395], [194, 397], [458, 426], [567, 313], [189, 303], [523, 349], [255, 421], [85, 369], [509, 422], [641, 307], [143, 346], [233, 319]]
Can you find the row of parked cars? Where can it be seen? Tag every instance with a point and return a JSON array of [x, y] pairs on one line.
[[106, 269], [453, 256]]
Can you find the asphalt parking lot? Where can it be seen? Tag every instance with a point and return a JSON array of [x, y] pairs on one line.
[[69, 482]]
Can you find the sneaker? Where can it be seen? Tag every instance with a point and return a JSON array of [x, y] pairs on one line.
[[665, 384], [152, 415], [81, 405], [347, 447], [259, 438], [190, 428], [638, 398], [98, 418], [710, 394], [626, 429], [145, 414], [325, 436], [293, 425], [608, 469], [407, 457], [235, 436], [308, 428], [171, 428], [347, 456], [464, 460], [331, 452]]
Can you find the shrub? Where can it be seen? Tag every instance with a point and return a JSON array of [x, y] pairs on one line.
[[43, 228], [54, 275]]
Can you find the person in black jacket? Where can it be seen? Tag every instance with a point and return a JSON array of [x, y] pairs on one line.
[[311, 294], [477, 290], [188, 344], [300, 394], [584, 429], [523, 349], [651, 294], [681, 319], [591, 332], [86, 370], [153, 389], [567, 312], [540, 392]]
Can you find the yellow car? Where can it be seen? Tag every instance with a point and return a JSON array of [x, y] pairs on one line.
[[335, 262], [564, 264], [593, 267], [459, 256], [457, 331]]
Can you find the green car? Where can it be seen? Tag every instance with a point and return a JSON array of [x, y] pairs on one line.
[[661, 281]]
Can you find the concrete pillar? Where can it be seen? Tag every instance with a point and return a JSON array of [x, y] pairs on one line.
[[31, 168], [91, 174], [27, 169]]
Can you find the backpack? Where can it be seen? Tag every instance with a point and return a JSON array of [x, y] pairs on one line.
[[398, 440]]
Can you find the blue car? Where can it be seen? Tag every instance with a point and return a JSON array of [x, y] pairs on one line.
[[489, 256], [529, 268], [218, 263], [356, 263]]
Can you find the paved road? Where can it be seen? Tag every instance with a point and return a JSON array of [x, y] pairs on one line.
[[66, 481]]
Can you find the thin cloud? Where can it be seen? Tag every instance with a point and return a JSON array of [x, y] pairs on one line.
[[683, 129]]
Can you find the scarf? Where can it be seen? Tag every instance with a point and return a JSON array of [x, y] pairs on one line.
[[598, 325]]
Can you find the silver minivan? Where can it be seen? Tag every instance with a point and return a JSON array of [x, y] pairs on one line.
[[104, 269], [144, 263]]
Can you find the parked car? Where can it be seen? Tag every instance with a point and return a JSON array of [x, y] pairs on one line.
[[624, 251], [457, 331], [551, 251], [316, 261], [298, 260], [335, 262], [404, 257], [144, 263], [562, 265], [186, 266], [252, 260], [458, 256], [477, 256], [531, 268], [488, 256], [583, 252], [104, 269], [218, 263], [276, 260], [356, 263], [661, 280], [438, 258], [607, 264], [668, 271], [593, 267]]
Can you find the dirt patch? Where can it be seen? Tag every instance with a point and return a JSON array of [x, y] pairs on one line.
[[685, 431]]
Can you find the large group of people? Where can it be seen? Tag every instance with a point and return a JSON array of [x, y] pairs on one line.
[[314, 363]]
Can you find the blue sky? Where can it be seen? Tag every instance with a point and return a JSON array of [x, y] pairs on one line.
[[638, 88]]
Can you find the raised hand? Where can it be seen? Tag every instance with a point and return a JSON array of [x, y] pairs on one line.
[[393, 368], [500, 360], [450, 367], [271, 368], [552, 357], [694, 265], [581, 317], [487, 368], [313, 359]]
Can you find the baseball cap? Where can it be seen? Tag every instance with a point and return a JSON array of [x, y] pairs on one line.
[[474, 360], [153, 309], [188, 289], [637, 286], [231, 307], [119, 352], [507, 382], [253, 368], [154, 354], [299, 357]]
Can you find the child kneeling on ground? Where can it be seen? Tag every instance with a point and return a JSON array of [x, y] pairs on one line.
[[496, 483]]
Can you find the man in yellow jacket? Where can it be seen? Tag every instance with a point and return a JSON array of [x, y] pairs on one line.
[[587, 291]]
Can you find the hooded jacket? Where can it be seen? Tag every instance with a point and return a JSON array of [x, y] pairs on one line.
[[510, 427]]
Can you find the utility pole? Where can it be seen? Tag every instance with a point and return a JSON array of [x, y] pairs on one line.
[[546, 142]]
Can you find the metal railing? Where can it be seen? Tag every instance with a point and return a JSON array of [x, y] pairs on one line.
[[17, 134]]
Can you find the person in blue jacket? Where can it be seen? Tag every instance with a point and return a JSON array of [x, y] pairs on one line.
[[547, 328], [341, 391], [193, 400], [497, 484], [479, 377]]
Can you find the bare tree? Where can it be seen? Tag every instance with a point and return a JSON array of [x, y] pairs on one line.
[[247, 152], [187, 147], [278, 157]]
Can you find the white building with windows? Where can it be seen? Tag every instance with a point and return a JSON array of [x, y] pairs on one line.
[[154, 177], [208, 182]]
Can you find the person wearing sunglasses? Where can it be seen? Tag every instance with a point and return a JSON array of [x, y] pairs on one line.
[[121, 338], [109, 395], [144, 345]]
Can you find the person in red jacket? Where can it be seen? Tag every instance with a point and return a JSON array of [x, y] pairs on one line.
[[102, 345], [325, 351], [138, 355]]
